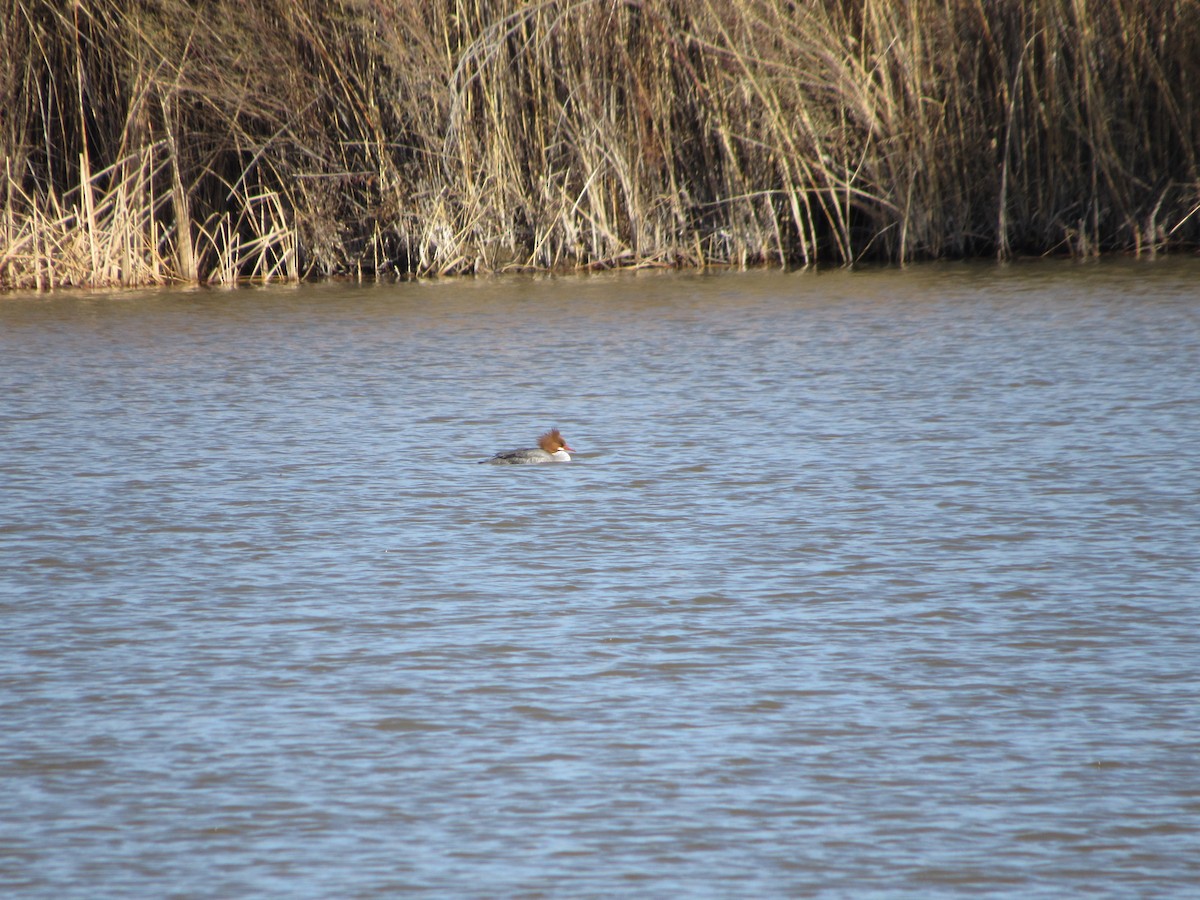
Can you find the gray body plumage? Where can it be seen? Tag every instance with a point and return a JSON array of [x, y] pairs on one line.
[[522, 457]]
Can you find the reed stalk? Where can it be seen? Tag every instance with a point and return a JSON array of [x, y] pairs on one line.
[[223, 141]]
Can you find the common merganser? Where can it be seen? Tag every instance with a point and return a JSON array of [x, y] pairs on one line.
[[551, 448]]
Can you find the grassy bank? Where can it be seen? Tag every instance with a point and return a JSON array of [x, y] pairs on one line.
[[217, 140]]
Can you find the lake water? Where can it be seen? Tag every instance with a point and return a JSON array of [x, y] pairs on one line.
[[861, 584]]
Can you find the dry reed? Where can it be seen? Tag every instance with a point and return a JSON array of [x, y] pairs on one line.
[[220, 141]]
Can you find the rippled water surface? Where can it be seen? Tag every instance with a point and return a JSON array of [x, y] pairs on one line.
[[861, 584]]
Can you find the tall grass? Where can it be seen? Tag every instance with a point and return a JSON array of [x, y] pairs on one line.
[[214, 140]]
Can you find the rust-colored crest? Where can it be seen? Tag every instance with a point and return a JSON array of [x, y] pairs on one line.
[[551, 441]]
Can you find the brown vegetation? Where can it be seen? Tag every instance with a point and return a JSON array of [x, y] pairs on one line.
[[216, 140]]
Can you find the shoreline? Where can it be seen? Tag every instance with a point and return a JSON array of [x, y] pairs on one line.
[[1110, 259]]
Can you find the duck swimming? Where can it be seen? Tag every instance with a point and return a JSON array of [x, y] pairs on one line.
[[551, 448]]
